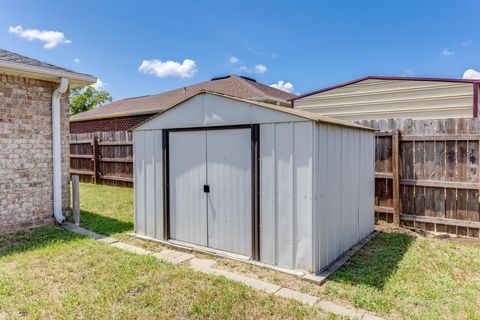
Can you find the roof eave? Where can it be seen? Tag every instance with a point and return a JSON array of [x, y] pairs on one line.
[[384, 78], [116, 115], [76, 79]]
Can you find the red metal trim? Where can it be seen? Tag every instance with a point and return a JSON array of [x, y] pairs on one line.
[[384, 78], [475, 99]]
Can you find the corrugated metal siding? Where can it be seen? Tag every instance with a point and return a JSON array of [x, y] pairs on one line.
[[345, 190], [148, 196], [230, 199], [188, 174], [286, 169], [379, 99]]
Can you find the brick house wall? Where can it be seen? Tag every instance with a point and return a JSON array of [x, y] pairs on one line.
[[26, 195], [110, 124]]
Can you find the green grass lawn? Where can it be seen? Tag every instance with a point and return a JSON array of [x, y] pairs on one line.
[[106, 210], [396, 275], [49, 273]]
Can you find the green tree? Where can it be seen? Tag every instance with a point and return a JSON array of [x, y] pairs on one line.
[[84, 99]]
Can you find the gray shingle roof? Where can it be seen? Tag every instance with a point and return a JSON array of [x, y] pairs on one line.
[[232, 85], [13, 57]]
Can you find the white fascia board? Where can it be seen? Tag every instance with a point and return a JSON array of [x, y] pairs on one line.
[[76, 79]]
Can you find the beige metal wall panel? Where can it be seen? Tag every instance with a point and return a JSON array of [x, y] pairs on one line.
[[149, 160], [284, 186], [345, 190], [432, 113], [148, 191], [286, 193], [377, 99], [158, 184], [139, 181], [303, 194]]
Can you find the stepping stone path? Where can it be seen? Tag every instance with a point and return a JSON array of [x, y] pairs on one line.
[[206, 266]]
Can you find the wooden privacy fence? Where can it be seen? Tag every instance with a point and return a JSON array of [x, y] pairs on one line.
[[427, 174], [102, 157]]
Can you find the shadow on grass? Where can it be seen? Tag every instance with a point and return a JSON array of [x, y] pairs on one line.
[[376, 262], [104, 225], [32, 239]]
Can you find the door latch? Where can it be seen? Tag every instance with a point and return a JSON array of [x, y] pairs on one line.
[[206, 188]]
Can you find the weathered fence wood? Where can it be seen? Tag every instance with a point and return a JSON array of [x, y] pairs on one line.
[[439, 182], [387, 177], [76, 199], [103, 157]]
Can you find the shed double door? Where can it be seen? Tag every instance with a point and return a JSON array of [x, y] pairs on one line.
[[210, 189]]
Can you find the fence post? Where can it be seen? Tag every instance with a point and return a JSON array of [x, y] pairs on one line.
[[76, 199], [395, 178], [95, 159]]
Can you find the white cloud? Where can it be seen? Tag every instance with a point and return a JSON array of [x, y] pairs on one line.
[[407, 73], [467, 43], [260, 68], [76, 60], [282, 85], [51, 39], [447, 52], [186, 69], [233, 60], [98, 85], [471, 74]]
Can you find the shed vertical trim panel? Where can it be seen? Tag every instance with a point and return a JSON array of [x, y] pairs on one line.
[[158, 184], [323, 204], [284, 173], [149, 183], [139, 158], [255, 144], [302, 184], [268, 194], [315, 183], [165, 185]]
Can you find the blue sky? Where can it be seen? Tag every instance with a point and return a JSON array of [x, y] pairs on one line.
[[311, 44]]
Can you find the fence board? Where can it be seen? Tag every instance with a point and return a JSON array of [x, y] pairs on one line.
[[108, 154], [438, 170]]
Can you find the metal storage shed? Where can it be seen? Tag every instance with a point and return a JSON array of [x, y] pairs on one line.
[[277, 185]]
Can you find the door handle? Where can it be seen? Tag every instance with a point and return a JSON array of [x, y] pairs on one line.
[[206, 188]]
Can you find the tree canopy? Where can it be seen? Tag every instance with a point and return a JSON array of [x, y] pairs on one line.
[[84, 99]]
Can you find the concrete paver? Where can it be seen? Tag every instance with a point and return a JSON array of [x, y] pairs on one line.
[[131, 248], [295, 295], [172, 256]]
